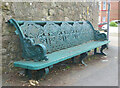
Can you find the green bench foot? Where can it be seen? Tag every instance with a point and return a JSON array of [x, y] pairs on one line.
[[46, 71], [28, 73], [38, 74], [101, 50], [82, 56], [100, 54], [83, 63], [73, 60], [41, 73]]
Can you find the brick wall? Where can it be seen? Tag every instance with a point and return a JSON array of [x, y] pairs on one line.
[[113, 11]]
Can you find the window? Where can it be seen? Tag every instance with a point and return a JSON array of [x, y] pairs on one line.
[[104, 5], [103, 19], [99, 5]]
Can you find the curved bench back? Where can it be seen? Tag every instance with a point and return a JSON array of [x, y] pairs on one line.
[[58, 35]]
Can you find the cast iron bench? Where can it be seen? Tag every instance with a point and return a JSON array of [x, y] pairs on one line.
[[45, 43]]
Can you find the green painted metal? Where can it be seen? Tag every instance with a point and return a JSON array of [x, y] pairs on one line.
[[59, 56], [31, 51], [54, 41], [101, 50]]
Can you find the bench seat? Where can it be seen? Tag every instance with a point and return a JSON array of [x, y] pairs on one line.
[[59, 56]]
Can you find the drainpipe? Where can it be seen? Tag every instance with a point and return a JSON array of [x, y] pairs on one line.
[[108, 20]]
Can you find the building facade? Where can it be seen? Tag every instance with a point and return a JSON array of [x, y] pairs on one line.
[[114, 11]]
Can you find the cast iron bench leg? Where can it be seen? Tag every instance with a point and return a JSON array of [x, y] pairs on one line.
[[28, 73], [101, 50], [73, 60], [39, 74], [82, 56]]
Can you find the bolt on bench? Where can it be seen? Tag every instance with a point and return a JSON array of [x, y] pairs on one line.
[[45, 43]]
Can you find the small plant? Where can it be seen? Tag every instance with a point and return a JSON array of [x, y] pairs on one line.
[[113, 24], [67, 67], [89, 59]]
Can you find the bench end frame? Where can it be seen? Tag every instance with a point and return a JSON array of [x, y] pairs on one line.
[[31, 51]]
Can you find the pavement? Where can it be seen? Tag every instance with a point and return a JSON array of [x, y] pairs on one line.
[[114, 30]]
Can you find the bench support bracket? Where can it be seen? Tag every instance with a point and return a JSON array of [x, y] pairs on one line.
[[73, 60], [42, 73], [46, 71], [82, 56], [101, 50]]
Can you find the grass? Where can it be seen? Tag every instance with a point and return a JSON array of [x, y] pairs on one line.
[[113, 24]]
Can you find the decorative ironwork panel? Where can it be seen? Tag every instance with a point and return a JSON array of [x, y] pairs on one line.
[[35, 32], [67, 34], [99, 36], [31, 30], [51, 32], [57, 36]]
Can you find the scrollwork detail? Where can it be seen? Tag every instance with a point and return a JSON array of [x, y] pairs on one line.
[[99, 36], [31, 51]]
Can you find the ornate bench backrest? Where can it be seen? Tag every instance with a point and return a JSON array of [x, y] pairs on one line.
[[58, 35]]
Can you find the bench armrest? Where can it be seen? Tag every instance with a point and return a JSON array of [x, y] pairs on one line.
[[99, 36], [36, 52], [31, 51]]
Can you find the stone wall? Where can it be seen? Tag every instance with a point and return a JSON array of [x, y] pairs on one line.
[[63, 11]]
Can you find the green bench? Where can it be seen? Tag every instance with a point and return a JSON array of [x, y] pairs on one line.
[[45, 43]]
